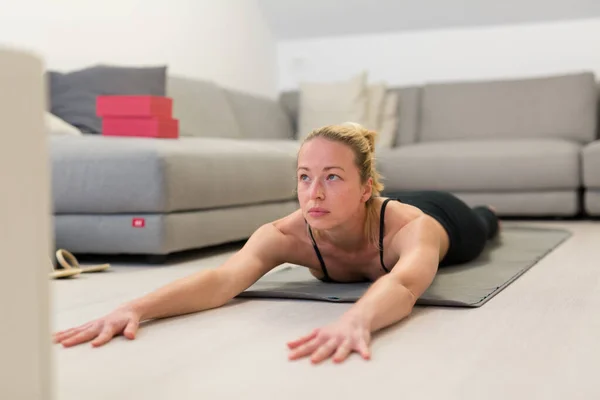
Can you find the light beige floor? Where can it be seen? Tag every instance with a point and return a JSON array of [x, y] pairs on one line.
[[538, 339]]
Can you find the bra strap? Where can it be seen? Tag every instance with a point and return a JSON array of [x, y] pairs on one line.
[[381, 229], [314, 243]]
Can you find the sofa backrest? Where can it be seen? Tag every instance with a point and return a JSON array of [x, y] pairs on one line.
[[408, 112], [202, 108], [562, 106], [205, 109], [259, 117], [598, 110]]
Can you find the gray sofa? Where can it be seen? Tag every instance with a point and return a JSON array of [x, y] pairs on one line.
[[516, 144], [232, 170], [526, 146]]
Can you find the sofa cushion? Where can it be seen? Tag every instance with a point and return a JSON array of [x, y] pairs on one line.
[[290, 101], [591, 165], [408, 114], [401, 102], [525, 203], [386, 138], [95, 174], [484, 165], [57, 126], [202, 108], [547, 107], [376, 97], [591, 201], [72, 96], [259, 117], [332, 103]]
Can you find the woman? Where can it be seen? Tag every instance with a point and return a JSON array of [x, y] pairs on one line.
[[344, 231]]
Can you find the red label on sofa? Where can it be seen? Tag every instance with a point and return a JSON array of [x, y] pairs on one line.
[[134, 106], [165, 128], [138, 222]]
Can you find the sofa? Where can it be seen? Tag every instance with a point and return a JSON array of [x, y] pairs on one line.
[[528, 146], [516, 144], [231, 170]]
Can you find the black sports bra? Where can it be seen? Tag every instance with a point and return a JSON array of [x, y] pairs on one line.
[[327, 278]]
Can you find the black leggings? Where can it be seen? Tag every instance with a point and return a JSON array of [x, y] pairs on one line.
[[468, 228]]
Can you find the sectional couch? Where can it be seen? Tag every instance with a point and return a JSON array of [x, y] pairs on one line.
[[518, 144], [528, 146], [232, 170]]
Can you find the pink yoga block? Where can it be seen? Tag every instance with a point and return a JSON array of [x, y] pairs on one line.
[[152, 127], [134, 106]]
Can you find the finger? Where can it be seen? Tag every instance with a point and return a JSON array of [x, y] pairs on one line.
[[325, 350], [131, 329], [363, 349], [59, 336], [343, 351], [82, 336], [107, 333], [306, 348], [71, 332], [302, 340]]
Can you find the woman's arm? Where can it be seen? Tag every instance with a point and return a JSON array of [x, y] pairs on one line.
[[392, 297], [212, 288], [389, 299], [206, 289]]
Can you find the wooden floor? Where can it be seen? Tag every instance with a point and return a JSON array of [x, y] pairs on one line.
[[538, 339]]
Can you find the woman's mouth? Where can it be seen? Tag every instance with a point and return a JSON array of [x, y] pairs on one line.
[[317, 211]]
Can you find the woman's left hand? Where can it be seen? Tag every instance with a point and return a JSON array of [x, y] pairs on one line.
[[350, 333]]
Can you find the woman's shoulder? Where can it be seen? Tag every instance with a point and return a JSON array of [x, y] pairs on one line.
[[398, 214], [288, 234], [291, 225], [397, 207], [276, 234]]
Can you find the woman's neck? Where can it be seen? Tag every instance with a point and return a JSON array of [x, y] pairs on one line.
[[349, 236]]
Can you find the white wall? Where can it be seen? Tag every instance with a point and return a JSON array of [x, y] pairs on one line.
[[442, 55], [227, 41]]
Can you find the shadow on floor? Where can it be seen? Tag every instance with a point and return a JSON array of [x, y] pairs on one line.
[[143, 260]]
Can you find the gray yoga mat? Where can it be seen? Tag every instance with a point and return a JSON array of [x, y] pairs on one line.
[[468, 285]]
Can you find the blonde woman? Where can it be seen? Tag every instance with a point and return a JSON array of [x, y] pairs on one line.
[[344, 231]]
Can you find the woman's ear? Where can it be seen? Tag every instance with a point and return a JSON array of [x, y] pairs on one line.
[[367, 190]]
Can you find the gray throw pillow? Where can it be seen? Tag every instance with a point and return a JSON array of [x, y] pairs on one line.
[[72, 96]]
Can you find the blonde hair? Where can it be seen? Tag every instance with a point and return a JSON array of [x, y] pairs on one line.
[[362, 142]]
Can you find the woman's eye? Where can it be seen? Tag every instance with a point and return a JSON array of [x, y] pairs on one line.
[[332, 176], [303, 177]]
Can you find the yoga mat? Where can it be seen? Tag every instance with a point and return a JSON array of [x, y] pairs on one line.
[[468, 285]]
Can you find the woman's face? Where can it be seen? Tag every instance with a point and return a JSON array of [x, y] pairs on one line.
[[329, 186]]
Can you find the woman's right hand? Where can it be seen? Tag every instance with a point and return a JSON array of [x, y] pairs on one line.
[[121, 321]]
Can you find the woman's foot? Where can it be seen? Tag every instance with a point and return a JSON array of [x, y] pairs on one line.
[[493, 209]]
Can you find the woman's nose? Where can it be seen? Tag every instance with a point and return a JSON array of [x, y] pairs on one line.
[[316, 190]]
